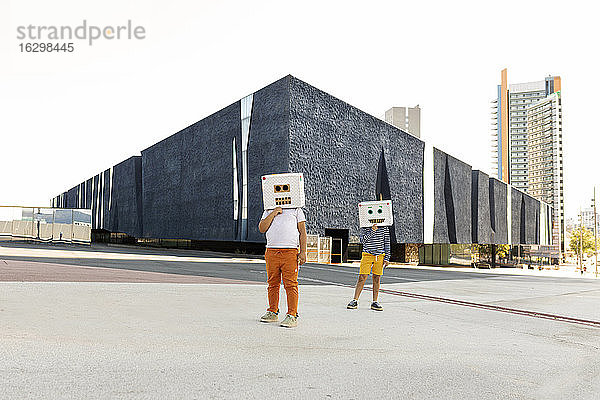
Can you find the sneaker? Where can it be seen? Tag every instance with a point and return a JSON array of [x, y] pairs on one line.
[[352, 305], [269, 316], [376, 306], [290, 321]]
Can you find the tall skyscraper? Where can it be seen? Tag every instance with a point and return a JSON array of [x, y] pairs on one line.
[[527, 148], [406, 118]]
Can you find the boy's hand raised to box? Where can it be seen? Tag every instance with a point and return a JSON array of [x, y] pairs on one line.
[[264, 224]]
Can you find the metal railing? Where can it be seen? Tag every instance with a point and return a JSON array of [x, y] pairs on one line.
[[318, 249]]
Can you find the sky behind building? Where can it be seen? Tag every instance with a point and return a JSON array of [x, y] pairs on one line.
[[69, 116]]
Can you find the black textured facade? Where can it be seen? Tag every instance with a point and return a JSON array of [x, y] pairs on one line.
[[498, 210], [340, 150], [452, 199], [125, 213], [268, 149], [525, 218], [481, 215], [187, 182]]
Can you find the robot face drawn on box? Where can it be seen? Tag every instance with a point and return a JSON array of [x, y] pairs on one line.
[[375, 212], [283, 190]]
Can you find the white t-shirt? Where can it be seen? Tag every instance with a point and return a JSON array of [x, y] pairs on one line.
[[283, 232]]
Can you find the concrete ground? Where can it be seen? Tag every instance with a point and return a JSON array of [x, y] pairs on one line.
[[115, 339]]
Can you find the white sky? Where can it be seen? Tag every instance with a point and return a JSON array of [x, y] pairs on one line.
[[66, 117]]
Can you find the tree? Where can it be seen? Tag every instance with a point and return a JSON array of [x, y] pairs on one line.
[[576, 238], [485, 250], [502, 250]]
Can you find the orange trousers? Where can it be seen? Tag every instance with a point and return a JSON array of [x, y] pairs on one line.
[[282, 263]]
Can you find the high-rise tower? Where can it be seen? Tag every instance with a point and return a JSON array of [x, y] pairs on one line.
[[527, 145]]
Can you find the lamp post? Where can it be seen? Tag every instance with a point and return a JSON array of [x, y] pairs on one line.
[[580, 241], [595, 233]]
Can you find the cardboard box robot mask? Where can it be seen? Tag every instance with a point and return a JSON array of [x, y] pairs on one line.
[[375, 212], [283, 190]]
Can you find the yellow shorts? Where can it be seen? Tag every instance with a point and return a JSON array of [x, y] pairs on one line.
[[369, 260]]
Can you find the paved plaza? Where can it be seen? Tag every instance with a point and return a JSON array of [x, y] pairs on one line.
[[107, 322]]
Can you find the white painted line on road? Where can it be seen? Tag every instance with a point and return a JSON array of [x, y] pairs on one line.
[[355, 274], [55, 253], [325, 282], [327, 269]]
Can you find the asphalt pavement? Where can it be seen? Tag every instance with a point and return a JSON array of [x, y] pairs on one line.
[[96, 340], [219, 265]]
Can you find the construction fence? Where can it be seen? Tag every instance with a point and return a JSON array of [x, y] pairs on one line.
[[323, 249], [56, 225]]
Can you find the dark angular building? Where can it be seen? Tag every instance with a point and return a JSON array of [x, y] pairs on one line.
[[482, 208], [452, 194], [203, 182]]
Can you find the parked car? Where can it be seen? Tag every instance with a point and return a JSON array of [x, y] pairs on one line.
[[482, 264], [509, 263]]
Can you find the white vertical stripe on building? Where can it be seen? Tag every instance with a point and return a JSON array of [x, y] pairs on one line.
[[245, 114], [95, 200], [101, 197], [236, 192], [110, 193], [543, 224], [428, 194]]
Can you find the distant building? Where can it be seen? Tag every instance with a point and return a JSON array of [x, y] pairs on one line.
[[406, 118], [569, 224], [588, 218], [527, 145]]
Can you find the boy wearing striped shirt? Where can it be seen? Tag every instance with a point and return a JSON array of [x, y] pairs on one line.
[[375, 256]]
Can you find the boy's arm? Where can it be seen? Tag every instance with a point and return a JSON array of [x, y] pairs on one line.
[[264, 224], [302, 253], [366, 234], [387, 247]]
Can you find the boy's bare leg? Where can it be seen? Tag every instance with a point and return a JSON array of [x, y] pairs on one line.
[[359, 285], [376, 282]]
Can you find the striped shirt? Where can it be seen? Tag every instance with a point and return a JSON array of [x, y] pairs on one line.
[[376, 242]]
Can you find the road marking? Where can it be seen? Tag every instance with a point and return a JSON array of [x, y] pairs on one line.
[[354, 273], [100, 255], [326, 282], [490, 307]]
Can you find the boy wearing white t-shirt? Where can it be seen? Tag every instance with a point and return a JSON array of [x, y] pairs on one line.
[[286, 249]]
